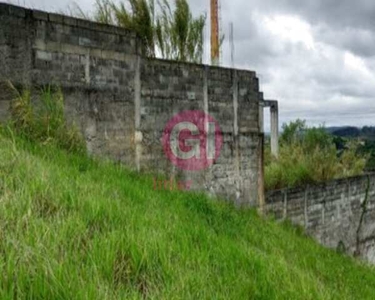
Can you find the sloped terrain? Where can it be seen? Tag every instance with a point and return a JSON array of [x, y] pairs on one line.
[[74, 228]]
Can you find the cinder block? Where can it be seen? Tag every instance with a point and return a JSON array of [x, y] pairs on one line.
[[83, 23], [17, 11], [43, 55], [39, 44], [56, 18], [40, 15], [55, 47], [65, 48], [97, 53], [4, 9], [70, 21], [83, 41]]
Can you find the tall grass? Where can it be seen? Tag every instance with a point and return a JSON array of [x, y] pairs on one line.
[[76, 228], [41, 117], [309, 155]]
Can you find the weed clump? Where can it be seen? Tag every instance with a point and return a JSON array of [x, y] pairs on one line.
[[42, 119]]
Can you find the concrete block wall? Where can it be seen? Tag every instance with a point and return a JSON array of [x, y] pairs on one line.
[[94, 64], [122, 101], [229, 96], [339, 214]]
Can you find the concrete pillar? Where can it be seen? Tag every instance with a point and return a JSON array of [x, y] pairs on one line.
[[241, 200], [261, 193], [138, 136], [261, 116], [275, 129]]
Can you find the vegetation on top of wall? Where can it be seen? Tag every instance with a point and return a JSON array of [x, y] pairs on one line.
[[310, 155], [167, 30], [41, 118], [368, 148]]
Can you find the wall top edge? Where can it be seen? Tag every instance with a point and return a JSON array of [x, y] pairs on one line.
[[203, 66], [319, 185], [21, 12], [33, 14]]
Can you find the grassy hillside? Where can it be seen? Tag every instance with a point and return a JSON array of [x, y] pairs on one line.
[[73, 228]]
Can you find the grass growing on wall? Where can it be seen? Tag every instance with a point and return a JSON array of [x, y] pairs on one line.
[[74, 228], [310, 155]]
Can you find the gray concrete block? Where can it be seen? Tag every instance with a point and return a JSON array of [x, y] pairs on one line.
[[17, 11], [56, 18], [70, 21], [4, 9], [40, 15]]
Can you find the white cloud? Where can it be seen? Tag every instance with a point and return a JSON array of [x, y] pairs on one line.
[[290, 28], [358, 65]]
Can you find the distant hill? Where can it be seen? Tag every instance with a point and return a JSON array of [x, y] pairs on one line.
[[366, 134], [347, 131], [351, 131]]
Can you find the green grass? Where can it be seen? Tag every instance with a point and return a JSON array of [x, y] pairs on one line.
[[310, 155], [74, 228]]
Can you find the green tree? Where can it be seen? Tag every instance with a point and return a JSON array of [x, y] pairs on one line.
[[292, 132]]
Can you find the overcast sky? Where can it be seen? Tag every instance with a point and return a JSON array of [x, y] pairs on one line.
[[317, 57]]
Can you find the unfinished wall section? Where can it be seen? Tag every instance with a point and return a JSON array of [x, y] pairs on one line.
[[229, 96], [94, 64], [339, 214], [122, 101]]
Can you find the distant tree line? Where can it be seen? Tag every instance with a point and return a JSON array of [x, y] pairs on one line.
[[352, 132], [365, 136]]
